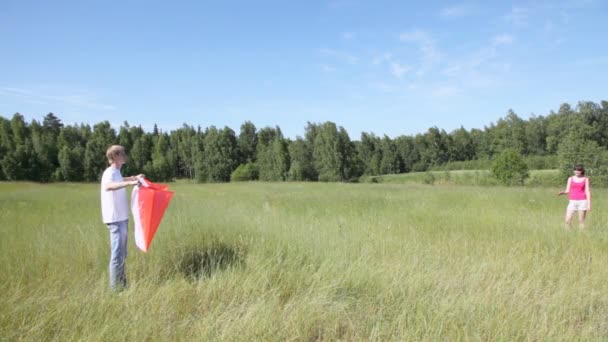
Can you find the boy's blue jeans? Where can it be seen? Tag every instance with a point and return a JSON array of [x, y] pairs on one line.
[[118, 253]]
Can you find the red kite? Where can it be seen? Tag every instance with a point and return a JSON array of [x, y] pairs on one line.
[[148, 204]]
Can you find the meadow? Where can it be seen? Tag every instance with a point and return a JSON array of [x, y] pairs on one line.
[[308, 261]]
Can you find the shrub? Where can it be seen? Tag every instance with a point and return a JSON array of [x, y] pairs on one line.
[[245, 172], [510, 168], [429, 178], [593, 157], [548, 162]]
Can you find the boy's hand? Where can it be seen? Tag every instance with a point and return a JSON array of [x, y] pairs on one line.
[[140, 176], [133, 182]]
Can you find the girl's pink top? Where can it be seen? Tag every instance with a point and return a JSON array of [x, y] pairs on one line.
[[577, 189]]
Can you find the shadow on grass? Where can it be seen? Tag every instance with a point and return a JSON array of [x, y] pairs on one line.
[[196, 262]]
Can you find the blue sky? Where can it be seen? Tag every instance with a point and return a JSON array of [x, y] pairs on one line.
[[388, 67]]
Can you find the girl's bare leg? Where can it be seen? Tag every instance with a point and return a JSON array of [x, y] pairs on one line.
[[581, 218], [569, 214]]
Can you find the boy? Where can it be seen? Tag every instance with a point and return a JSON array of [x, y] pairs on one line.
[[115, 212]]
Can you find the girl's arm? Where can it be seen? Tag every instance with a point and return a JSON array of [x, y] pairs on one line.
[[588, 193], [567, 188]]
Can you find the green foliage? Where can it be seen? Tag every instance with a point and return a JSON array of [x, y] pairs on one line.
[[510, 168], [95, 160], [370, 153], [37, 150], [390, 162], [141, 153], [248, 142], [477, 164], [273, 158], [538, 178], [534, 162], [245, 172], [184, 144], [577, 150], [302, 165], [509, 133], [545, 178], [542, 162], [429, 178], [161, 168], [334, 155], [70, 164], [220, 155]]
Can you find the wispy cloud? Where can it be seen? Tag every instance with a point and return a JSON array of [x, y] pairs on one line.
[[484, 67], [327, 68], [456, 11], [338, 4], [381, 59], [518, 16], [592, 61], [502, 39], [399, 70], [75, 99], [382, 86], [444, 91], [341, 56], [349, 35], [426, 45]]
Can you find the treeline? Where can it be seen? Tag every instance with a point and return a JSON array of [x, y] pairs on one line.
[[51, 151]]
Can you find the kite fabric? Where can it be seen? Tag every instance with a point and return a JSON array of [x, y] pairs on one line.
[[148, 204]]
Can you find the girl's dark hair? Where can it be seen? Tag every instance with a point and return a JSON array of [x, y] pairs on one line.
[[579, 167]]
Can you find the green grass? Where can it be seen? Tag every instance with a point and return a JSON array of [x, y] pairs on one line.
[[537, 178], [295, 261]]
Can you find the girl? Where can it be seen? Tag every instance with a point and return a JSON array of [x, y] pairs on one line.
[[580, 197]]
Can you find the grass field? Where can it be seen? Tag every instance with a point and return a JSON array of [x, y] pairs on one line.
[[294, 261], [537, 178]]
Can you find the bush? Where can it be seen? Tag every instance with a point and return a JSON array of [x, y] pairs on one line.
[[244, 173], [429, 178], [510, 168], [542, 162], [477, 164], [545, 178], [593, 157]]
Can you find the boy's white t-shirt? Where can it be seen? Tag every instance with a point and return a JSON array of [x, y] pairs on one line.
[[114, 205]]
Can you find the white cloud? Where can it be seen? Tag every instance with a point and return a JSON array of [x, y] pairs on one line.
[[399, 70], [426, 45], [77, 99], [341, 56], [483, 67], [592, 61], [502, 39], [456, 11], [518, 16], [445, 91], [382, 86], [349, 35], [327, 68], [415, 36], [339, 4], [379, 60], [452, 70]]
